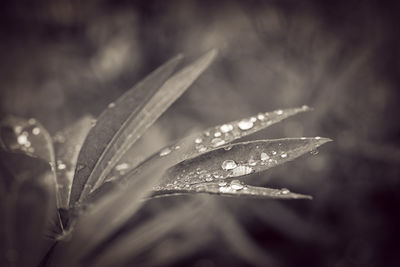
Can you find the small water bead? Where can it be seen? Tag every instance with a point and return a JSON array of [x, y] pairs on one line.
[[217, 175], [36, 131], [284, 155], [207, 133], [241, 170], [226, 128], [122, 167], [303, 138], [252, 162], [279, 112], [273, 152], [261, 116], [222, 184], [201, 148], [32, 121], [22, 140], [314, 152], [245, 124], [61, 165], [228, 165], [317, 138], [227, 148], [177, 147], [217, 142], [284, 191], [217, 134], [198, 140], [209, 179], [236, 185], [18, 129], [165, 151], [111, 105], [264, 156]]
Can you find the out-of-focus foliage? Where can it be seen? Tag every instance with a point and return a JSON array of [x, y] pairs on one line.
[[340, 57]]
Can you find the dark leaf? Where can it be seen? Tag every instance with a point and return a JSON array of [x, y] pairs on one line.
[[28, 207], [120, 128], [237, 160], [68, 143]]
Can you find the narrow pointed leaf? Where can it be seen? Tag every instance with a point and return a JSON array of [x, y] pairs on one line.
[[233, 188], [116, 123], [237, 160], [221, 135], [136, 124], [68, 143]]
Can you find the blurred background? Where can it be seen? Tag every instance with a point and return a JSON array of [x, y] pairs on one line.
[[63, 59]]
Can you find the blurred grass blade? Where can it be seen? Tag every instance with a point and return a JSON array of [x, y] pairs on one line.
[[221, 135], [28, 206], [136, 240], [237, 160], [67, 144], [234, 188], [102, 220]]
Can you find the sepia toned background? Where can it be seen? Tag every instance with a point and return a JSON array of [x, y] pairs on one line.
[[63, 59]]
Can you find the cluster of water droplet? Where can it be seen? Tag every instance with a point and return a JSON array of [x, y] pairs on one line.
[[167, 150], [24, 134], [223, 134]]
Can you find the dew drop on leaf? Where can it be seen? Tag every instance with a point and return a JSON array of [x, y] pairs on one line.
[[111, 105], [264, 156], [279, 112], [36, 131], [245, 124], [236, 185], [225, 128], [165, 151], [284, 155], [217, 142], [241, 170], [228, 165], [260, 116], [198, 140], [122, 167], [285, 191], [60, 165], [217, 134]]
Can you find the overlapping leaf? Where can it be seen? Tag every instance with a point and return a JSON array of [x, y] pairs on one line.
[[68, 143], [118, 128]]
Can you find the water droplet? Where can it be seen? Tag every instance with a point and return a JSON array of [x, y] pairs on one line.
[[284, 191], [253, 119], [207, 133], [260, 116], [314, 152], [217, 134], [217, 175], [61, 165], [177, 147], [317, 138], [222, 184], [303, 138], [111, 105], [242, 170], [284, 155], [226, 128], [245, 124], [236, 185], [198, 140], [36, 130], [252, 162], [209, 179], [122, 167], [279, 112], [264, 156], [18, 129], [224, 189], [273, 152], [31, 121], [227, 148], [201, 148], [304, 107], [228, 165], [165, 151], [217, 142], [22, 140]]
